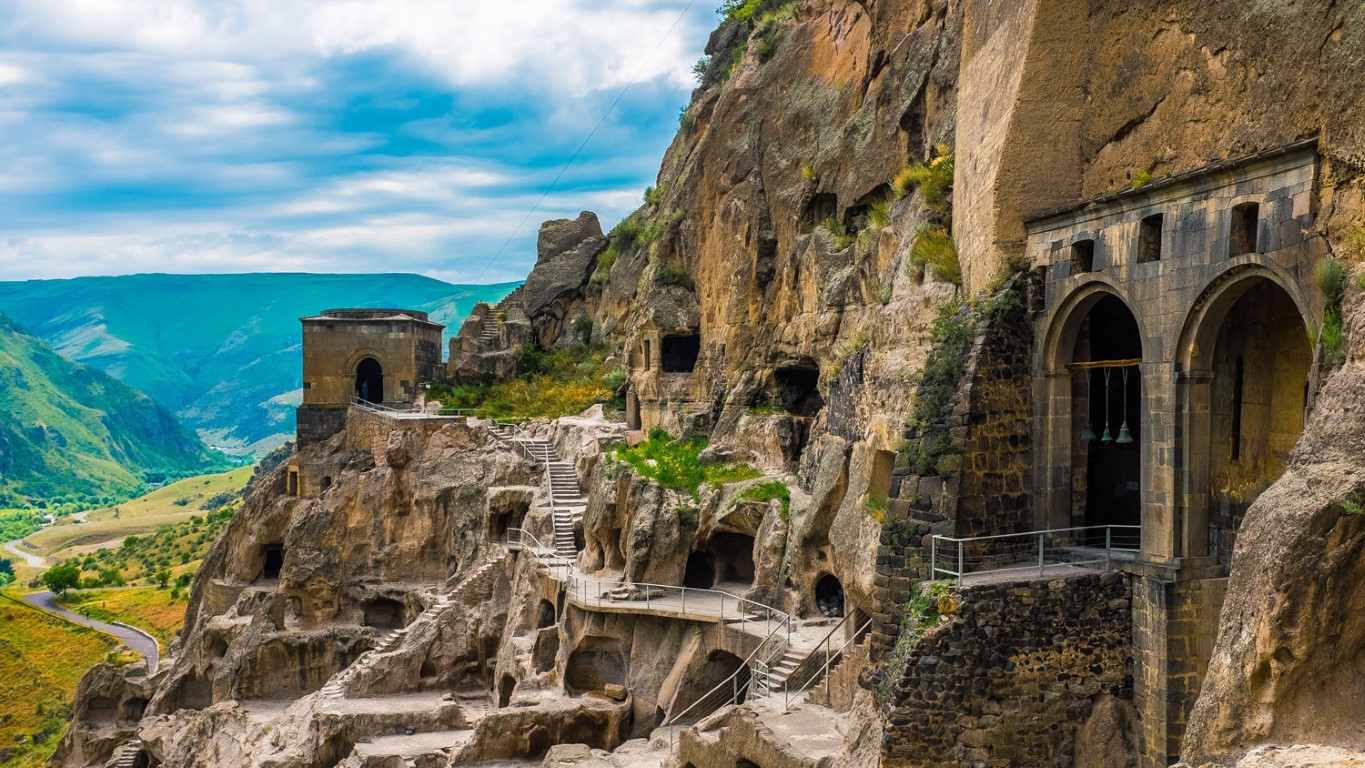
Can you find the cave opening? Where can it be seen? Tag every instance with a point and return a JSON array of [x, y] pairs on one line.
[[700, 572], [733, 558], [593, 664], [504, 517], [546, 615], [1109, 398], [679, 353], [796, 389], [272, 561], [382, 613], [829, 596], [720, 666], [822, 207]]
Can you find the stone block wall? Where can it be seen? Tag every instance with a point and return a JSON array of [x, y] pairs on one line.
[[1175, 625], [1014, 674]]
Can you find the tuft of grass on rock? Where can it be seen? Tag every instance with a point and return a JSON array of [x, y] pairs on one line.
[[935, 250], [676, 464], [767, 492]]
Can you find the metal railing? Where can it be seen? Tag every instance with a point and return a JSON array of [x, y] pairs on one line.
[[1030, 554], [523, 539], [817, 664], [740, 684]]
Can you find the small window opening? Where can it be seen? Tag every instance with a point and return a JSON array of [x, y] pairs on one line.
[[680, 353], [293, 488], [1082, 256], [1149, 238], [649, 355], [1238, 380], [1242, 237], [326, 482], [829, 596]]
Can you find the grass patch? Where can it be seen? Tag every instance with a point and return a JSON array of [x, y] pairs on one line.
[[917, 617], [554, 383], [675, 464], [1331, 279], [875, 508], [764, 493], [935, 251], [934, 180], [933, 450], [842, 237], [1142, 179], [160, 612], [42, 658], [671, 274], [1332, 338]]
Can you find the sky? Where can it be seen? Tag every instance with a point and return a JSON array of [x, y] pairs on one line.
[[194, 136]]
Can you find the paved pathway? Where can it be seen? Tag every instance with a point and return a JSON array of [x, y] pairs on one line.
[[32, 559], [136, 639]]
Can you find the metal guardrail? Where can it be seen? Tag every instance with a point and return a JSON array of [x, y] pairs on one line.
[[816, 666], [738, 685], [1031, 553]]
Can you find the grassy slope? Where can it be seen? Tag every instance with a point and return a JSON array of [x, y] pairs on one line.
[[149, 609], [71, 432], [220, 350], [137, 517], [41, 661]]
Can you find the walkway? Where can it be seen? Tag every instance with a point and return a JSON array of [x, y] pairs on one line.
[[141, 642], [35, 561]]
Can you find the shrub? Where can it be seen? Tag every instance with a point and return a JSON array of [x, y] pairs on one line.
[[653, 195], [1331, 277], [671, 274], [765, 493], [602, 272], [934, 181], [737, 59], [738, 10], [842, 238], [700, 70], [808, 172], [532, 360], [582, 329], [1142, 179], [570, 381], [1332, 338], [934, 248], [876, 508], [917, 617], [676, 464], [884, 294], [687, 120]]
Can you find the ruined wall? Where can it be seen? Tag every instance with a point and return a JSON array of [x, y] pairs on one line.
[[1014, 674]]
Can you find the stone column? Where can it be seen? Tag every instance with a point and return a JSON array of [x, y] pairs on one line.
[[1192, 455], [1158, 461]]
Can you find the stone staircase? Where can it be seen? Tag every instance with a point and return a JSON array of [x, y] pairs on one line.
[[567, 502], [127, 756], [336, 687], [490, 333]]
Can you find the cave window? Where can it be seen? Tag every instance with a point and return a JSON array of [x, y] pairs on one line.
[[272, 561], [680, 353], [134, 708], [193, 692], [596, 662], [797, 389], [1082, 257], [700, 572], [502, 520], [382, 613], [742, 763], [649, 355], [369, 381], [821, 207], [293, 482], [829, 596], [326, 482], [1242, 237], [506, 687], [1149, 238]]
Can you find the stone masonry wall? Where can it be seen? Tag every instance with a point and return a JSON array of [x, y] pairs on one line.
[[1014, 675]]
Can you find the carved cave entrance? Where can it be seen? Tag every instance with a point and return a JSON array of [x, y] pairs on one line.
[[382, 613], [719, 667], [678, 354], [1250, 362], [728, 559], [829, 596], [272, 560], [596, 662], [1107, 417], [369, 381]]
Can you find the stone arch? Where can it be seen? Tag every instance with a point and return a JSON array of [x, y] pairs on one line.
[[1243, 389], [1081, 398], [369, 380]]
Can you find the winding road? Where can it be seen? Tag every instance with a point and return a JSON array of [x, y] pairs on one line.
[[136, 639], [32, 559]]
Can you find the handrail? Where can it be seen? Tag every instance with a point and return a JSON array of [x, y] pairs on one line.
[[838, 653], [525, 538], [1029, 551], [730, 681]]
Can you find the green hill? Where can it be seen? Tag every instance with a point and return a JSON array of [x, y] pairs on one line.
[[222, 351], [70, 432]]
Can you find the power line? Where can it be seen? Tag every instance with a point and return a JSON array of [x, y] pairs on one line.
[[584, 145]]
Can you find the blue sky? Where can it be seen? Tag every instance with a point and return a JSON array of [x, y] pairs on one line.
[[325, 135]]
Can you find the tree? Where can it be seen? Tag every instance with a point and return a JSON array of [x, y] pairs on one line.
[[61, 577], [6, 567], [163, 577]]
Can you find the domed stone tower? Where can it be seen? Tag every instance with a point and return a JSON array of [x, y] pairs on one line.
[[379, 356]]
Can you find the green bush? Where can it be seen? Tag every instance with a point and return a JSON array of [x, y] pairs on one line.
[[1331, 277], [687, 120], [569, 381], [917, 617], [671, 274], [1332, 338], [764, 493], [738, 10], [1142, 179], [700, 69], [842, 237], [879, 215], [934, 181], [676, 464], [582, 329], [934, 248]]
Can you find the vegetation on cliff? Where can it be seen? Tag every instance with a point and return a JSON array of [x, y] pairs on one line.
[[553, 383], [70, 434], [677, 465]]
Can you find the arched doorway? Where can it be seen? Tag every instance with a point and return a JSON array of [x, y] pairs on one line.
[[1107, 463], [369, 381], [1246, 401], [829, 596]]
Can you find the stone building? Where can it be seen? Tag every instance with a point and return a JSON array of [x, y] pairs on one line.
[[1172, 375], [380, 356]]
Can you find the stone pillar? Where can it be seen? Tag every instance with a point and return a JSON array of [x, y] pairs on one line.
[[1175, 623], [1158, 458], [1054, 430], [1192, 455]]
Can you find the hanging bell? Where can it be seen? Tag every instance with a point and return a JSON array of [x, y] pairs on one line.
[[1088, 434], [1106, 438], [1125, 437]]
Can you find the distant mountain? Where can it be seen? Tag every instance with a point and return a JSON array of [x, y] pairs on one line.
[[222, 351], [69, 432]]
